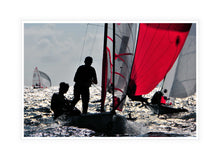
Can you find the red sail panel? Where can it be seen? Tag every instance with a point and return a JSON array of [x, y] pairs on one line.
[[158, 46]]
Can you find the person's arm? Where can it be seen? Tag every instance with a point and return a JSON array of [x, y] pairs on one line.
[[76, 75], [95, 77], [54, 103]]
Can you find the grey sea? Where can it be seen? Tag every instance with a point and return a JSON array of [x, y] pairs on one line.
[[39, 122]]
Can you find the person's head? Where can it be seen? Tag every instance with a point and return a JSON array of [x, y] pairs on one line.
[[165, 91], [63, 87], [88, 60]]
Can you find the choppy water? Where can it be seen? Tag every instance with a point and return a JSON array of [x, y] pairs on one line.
[[39, 122]]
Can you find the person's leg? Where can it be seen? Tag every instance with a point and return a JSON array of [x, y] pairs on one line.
[[85, 99], [76, 93], [75, 112]]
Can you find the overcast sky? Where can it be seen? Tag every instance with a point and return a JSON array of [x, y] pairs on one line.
[[59, 48]]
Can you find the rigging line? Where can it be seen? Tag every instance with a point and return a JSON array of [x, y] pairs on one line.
[[83, 43], [91, 51]]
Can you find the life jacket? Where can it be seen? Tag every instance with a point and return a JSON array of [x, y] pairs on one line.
[[163, 101]]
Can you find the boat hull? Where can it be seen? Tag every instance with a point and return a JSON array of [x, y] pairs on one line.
[[108, 122], [165, 109]]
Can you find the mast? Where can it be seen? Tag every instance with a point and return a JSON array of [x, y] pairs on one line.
[[113, 68], [104, 53]]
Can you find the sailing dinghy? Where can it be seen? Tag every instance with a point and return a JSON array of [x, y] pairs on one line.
[[180, 81], [40, 79], [144, 54], [136, 58]]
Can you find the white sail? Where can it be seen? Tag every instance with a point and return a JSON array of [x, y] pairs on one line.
[[181, 79], [40, 79], [125, 43]]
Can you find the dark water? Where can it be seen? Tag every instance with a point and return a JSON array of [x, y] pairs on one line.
[[39, 122]]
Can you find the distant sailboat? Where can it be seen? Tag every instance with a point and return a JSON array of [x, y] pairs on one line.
[[40, 79]]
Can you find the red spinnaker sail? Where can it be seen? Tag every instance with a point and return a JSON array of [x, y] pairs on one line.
[[157, 48]]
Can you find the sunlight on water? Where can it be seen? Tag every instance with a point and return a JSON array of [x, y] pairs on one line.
[[39, 122]]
